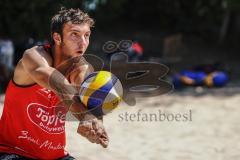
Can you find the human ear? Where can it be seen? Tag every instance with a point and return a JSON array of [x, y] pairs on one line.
[[57, 38]]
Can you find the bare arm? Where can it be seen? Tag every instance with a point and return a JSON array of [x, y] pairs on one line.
[[37, 66]]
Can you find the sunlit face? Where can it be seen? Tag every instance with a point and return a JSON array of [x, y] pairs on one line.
[[75, 39]]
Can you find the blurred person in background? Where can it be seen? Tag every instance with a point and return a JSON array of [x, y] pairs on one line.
[[210, 75], [6, 62], [135, 52]]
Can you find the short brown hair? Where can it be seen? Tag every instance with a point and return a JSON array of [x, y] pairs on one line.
[[76, 16]]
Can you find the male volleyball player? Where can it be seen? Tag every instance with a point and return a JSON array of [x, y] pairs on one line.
[[30, 126]]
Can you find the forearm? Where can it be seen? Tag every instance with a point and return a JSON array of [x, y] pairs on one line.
[[68, 93], [54, 80]]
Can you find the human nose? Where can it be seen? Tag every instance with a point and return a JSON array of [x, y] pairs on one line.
[[82, 41]]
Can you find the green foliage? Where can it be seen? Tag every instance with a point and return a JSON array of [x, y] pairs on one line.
[[166, 15], [27, 18], [233, 4]]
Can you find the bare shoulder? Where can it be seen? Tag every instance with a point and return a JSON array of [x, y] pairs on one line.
[[31, 59], [39, 53]]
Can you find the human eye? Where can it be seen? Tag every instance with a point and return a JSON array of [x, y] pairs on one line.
[[87, 35], [74, 34]]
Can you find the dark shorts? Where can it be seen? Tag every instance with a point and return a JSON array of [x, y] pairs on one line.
[[9, 156]]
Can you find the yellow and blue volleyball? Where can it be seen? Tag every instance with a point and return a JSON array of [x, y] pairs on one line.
[[101, 92]]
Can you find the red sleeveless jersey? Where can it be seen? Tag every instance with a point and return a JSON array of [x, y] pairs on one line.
[[32, 122]]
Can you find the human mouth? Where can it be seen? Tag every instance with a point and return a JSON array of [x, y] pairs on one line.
[[80, 52]]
